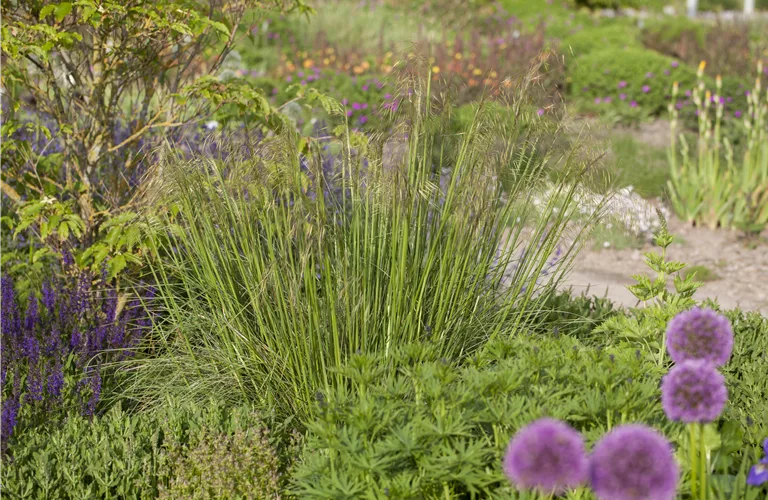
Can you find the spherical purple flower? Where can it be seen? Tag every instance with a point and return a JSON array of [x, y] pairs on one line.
[[633, 462], [633, 104], [540, 112], [598, 100], [675, 64], [693, 391], [546, 455], [700, 334], [646, 89], [623, 96], [622, 84]]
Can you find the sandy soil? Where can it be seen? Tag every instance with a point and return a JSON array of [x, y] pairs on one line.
[[743, 272]]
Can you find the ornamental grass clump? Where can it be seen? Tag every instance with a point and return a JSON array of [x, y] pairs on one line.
[[287, 261], [547, 456], [633, 462]]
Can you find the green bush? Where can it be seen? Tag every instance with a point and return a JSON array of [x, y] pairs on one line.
[[593, 39], [122, 455], [416, 426], [599, 75]]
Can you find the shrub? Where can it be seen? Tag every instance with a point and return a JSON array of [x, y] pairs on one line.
[[288, 263], [629, 78], [416, 426], [597, 38], [123, 455]]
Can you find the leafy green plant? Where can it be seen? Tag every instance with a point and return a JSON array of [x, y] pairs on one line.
[[627, 80], [413, 425], [281, 272], [127, 455], [710, 186], [661, 303]]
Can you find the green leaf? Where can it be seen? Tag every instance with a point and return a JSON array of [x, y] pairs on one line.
[[62, 10], [46, 11], [116, 265]]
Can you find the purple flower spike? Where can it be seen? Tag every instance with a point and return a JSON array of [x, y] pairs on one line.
[[546, 455], [693, 391], [700, 334], [633, 462]]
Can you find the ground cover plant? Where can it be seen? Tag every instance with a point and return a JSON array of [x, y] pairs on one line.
[[279, 250]]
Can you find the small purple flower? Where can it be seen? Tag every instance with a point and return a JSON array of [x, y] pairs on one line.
[[546, 455], [633, 104], [646, 89], [622, 84], [649, 75], [758, 474], [737, 114], [693, 391], [675, 64], [363, 119], [387, 97], [345, 101], [700, 334], [679, 105], [349, 113], [623, 96], [540, 112], [357, 106], [607, 100], [365, 88], [687, 93], [289, 78], [633, 462], [597, 100], [666, 72]]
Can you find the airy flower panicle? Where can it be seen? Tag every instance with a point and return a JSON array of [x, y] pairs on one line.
[[633, 462], [548, 456]]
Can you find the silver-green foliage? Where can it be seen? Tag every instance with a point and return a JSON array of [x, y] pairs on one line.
[[277, 273]]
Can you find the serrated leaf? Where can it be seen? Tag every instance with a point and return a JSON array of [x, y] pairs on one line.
[[46, 11]]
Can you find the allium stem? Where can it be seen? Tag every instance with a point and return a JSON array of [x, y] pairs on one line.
[[693, 453], [703, 458]]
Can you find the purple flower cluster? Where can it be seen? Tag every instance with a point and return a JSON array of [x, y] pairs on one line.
[[700, 334], [632, 462], [548, 456], [43, 348], [693, 391]]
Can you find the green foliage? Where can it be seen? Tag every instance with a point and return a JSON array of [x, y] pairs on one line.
[[597, 38], [281, 273], [75, 73], [701, 272], [414, 426], [599, 74], [710, 186], [125, 455]]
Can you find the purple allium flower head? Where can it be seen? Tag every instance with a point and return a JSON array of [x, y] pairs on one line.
[[646, 89], [693, 391], [700, 334], [758, 474], [633, 104], [622, 84], [737, 114], [675, 64], [546, 455], [633, 462]]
